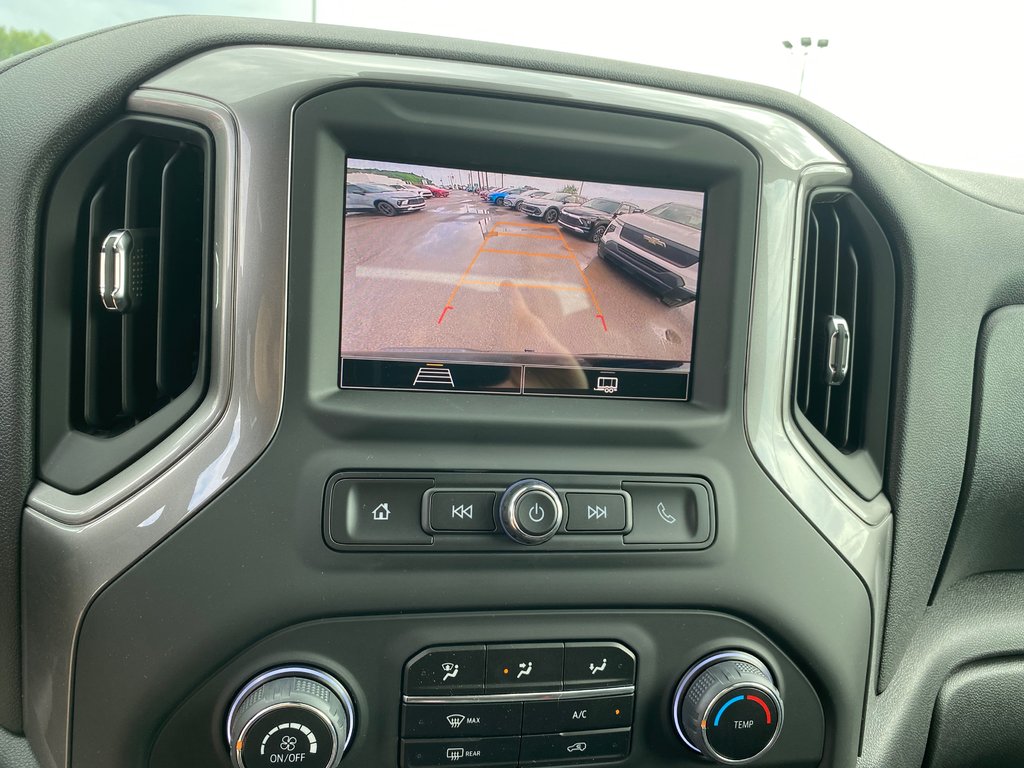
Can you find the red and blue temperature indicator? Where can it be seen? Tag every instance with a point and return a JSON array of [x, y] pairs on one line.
[[735, 700]]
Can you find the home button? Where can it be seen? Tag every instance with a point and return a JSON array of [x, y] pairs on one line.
[[378, 511]]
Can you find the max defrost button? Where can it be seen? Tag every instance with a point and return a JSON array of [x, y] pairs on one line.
[[669, 513], [444, 721], [378, 512]]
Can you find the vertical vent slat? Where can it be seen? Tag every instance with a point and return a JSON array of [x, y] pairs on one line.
[[806, 324], [837, 237], [818, 399], [180, 271], [101, 350], [850, 312], [832, 286]]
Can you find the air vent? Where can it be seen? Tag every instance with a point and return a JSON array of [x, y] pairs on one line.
[[844, 343], [125, 307]]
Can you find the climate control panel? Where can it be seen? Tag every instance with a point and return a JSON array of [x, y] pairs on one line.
[[518, 704], [621, 687]]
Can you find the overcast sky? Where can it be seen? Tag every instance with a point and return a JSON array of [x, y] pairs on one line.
[[937, 82]]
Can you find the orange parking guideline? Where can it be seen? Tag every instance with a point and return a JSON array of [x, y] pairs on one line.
[[495, 232], [526, 224], [510, 283], [527, 253], [526, 234], [586, 282], [455, 290]]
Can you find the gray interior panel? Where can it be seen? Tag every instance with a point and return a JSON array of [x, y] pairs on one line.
[[988, 531], [977, 717]]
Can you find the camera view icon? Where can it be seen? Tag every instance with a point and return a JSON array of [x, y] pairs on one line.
[[434, 375]]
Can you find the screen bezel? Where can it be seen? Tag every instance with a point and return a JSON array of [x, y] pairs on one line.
[[500, 358], [360, 118]]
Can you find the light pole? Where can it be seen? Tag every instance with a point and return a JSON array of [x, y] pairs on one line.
[[805, 48]]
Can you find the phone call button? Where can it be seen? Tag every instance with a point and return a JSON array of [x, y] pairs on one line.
[[669, 513]]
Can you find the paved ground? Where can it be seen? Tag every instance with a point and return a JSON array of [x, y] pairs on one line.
[[464, 275]]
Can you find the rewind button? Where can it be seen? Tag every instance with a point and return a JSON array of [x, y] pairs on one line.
[[461, 511]]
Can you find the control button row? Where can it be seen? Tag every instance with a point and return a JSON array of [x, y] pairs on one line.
[[390, 511], [518, 668], [511, 751], [464, 720]]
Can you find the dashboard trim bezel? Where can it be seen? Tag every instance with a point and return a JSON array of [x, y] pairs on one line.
[[67, 560]]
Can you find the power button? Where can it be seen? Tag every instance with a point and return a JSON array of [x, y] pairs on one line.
[[531, 512]]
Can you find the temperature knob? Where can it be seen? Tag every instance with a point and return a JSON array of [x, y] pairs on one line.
[[728, 708], [290, 716]]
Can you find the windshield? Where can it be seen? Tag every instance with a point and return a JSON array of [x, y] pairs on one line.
[[601, 204], [936, 85], [680, 214]]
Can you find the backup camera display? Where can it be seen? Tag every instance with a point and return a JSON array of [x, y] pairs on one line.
[[461, 280]]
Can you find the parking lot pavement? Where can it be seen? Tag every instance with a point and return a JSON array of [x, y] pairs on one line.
[[464, 275]]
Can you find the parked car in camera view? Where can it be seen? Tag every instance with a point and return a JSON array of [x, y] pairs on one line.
[[591, 219], [435, 191], [386, 200], [659, 248], [498, 197], [423, 193], [516, 200], [547, 207]]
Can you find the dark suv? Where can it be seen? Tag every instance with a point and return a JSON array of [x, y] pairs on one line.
[[593, 218]]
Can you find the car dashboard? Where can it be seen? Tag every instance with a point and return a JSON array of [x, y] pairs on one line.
[[253, 533]]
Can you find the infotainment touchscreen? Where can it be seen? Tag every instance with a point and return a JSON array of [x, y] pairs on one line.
[[458, 280]]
